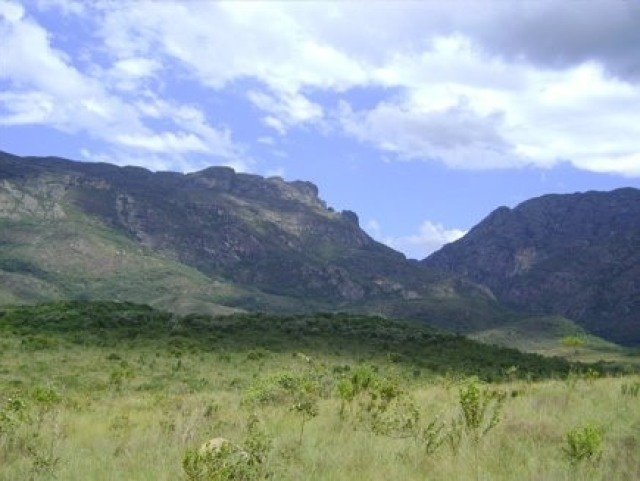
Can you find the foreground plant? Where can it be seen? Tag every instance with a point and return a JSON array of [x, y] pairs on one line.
[[583, 443], [480, 410], [480, 414], [30, 428], [221, 460]]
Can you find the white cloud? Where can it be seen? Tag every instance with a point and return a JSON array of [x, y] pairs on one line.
[[165, 142], [430, 238], [474, 85], [480, 86], [286, 109], [373, 227], [266, 140], [43, 86], [219, 42], [130, 74], [455, 135], [136, 67], [275, 124], [490, 114], [25, 108], [11, 11]]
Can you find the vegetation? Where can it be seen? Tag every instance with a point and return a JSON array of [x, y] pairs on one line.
[[122, 391], [412, 345], [216, 242]]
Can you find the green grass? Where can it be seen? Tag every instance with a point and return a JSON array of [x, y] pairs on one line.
[[362, 337], [107, 391], [47, 260], [547, 335]]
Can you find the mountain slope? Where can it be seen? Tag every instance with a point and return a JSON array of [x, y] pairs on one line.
[[575, 255], [73, 230]]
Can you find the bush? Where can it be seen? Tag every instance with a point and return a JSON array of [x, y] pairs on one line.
[[480, 410], [226, 461], [583, 443]]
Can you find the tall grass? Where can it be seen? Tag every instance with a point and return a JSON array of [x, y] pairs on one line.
[[108, 391], [65, 414]]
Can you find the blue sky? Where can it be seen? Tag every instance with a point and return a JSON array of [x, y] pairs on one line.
[[420, 116]]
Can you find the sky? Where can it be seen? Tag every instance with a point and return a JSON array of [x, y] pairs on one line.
[[422, 117]]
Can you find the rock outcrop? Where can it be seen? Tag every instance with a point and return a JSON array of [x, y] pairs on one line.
[[575, 255], [266, 234]]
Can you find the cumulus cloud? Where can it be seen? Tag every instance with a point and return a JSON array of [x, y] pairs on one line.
[[455, 135], [478, 85], [561, 35], [491, 85], [429, 238], [286, 110], [43, 86]]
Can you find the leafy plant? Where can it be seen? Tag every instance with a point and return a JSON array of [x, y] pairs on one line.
[[573, 341], [480, 410], [583, 443], [12, 414], [480, 414], [307, 407], [228, 461]]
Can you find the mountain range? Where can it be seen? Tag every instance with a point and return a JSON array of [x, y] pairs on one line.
[[218, 241]]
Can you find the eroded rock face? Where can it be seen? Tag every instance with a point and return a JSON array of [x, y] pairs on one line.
[[577, 255], [266, 233], [37, 198]]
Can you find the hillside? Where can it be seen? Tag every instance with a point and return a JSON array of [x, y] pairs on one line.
[[573, 255], [116, 325], [211, 241], [218, 242]]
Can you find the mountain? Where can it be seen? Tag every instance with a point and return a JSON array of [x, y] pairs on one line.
[[576, 255], [215, 241]]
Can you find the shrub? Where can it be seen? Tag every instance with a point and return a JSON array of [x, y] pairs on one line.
[[480, 410], [583, 443], [221, 460], [227, 462]]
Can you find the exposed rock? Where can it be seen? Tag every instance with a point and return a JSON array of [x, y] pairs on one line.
[[576, 255], [265, 233], [218, 444]]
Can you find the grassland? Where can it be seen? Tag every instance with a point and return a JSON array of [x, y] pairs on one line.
[[107, 391]]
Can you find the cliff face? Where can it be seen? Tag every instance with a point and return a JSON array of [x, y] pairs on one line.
[[576, 255], [266, 234]]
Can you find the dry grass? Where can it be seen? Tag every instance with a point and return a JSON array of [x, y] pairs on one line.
[[139, 428]]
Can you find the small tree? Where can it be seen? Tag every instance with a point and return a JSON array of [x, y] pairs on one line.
[[480, 410], [583, 443], [480, 413], [573, 342]]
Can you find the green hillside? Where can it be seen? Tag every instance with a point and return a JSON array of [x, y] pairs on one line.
[[110, 324]]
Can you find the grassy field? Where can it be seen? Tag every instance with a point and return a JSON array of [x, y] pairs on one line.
[[113, 392], [557, 336]]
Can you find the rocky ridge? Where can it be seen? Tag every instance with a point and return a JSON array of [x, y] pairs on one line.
[[576, 255], [259, 233]]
